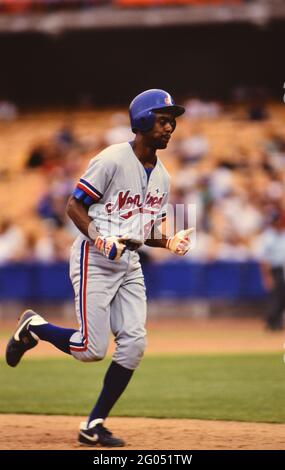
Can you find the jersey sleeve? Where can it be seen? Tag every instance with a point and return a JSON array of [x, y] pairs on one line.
[[94, 182]]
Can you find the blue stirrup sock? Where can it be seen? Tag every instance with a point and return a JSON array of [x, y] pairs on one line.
[[55, 335], [116, 380]]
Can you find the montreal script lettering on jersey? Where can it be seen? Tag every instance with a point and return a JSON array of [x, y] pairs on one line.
[[126, 201]]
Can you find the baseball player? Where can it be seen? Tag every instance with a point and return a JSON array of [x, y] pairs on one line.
[[117, 205]]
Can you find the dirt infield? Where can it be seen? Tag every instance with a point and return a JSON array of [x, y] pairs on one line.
[[165, 336], [60, 432]]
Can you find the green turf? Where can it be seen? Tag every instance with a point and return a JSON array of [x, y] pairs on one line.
[[232, 387]]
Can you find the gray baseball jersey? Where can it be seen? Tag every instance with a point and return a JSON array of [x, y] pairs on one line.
[[110, 295]]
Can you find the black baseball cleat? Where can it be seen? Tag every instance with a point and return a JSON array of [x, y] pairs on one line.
[[98, 435], [23, 339]]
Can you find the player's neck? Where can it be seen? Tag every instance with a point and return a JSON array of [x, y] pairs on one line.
[[145, 154]]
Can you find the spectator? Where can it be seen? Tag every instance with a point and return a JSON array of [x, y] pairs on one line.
[[120, 130], [257, 106], [197, 109], [231, 247], [53, 203], [53, 246], [11, 241], [37, 157], [8, 111], [65, 137], [193, 148]]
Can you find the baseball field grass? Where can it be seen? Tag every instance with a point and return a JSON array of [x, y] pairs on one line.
[[238, 387]]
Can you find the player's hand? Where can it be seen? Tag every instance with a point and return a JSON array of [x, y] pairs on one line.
[[111, 247], [180, 244]]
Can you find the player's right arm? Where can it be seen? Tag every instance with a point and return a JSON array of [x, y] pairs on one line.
[[89, 190], [111, 247], [78, 212]]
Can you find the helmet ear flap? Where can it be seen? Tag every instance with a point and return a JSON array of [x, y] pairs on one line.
[[144, 122], [147, 121]]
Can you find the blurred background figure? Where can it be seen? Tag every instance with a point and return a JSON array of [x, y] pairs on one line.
[[119, 130], [8, 111], [271, 252], [11, 241]]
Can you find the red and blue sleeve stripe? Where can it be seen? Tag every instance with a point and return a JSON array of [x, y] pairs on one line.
[[89, 189]]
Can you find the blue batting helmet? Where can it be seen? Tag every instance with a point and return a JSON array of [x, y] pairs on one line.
[[143, 107]]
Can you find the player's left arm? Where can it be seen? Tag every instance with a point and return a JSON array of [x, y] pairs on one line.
[[156, 238], [179, 244]]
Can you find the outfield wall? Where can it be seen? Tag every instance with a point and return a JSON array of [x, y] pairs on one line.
[[174, 280]]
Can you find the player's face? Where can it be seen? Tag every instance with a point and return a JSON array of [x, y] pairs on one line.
[[159, 136]]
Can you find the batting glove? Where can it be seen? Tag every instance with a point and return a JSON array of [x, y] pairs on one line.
[[180, 244], [111, 247]]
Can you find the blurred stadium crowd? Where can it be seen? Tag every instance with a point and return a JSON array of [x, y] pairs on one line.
[[19, 6], [227, 160]]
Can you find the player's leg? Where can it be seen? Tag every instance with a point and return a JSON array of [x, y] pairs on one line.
[[128, 315], [91, 341], [32, 327], [94, 287]]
